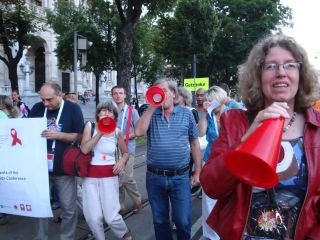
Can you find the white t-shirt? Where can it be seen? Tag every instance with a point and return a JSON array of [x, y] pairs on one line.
[[105, 150]]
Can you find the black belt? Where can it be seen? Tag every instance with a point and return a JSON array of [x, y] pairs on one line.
[[167, 172]]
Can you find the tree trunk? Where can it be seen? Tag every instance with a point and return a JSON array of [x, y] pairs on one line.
[[12, 63], [125, 56], [13, 76]]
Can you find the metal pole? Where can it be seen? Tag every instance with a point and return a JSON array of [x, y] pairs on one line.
[[194, 70], [75, 62]]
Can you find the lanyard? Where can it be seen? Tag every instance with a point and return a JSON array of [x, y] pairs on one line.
[[57, 121], [125, 108]]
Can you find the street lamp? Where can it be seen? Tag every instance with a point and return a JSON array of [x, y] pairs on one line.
[[27, 69], [79, 43]]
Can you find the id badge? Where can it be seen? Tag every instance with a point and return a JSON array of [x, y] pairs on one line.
[[50, 157]]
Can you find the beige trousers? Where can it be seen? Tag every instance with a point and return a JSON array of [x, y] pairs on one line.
[[129, 185]]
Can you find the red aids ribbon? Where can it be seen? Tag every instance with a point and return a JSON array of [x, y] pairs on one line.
[[15, 138]]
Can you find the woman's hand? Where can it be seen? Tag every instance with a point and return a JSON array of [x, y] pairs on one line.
[[275, 110], [206, 104], [119, 167]]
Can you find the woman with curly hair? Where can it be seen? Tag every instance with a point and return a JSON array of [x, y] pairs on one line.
[[277, 80], [7, 109]]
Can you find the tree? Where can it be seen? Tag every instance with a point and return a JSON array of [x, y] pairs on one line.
[[220, 32], [148, 65], [17, 24], [190, 31], [243, 22], [66, 20], [112, 35], [129, 14]]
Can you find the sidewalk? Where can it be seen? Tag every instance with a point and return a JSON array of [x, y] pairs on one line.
[[22, 228], [88, 109]]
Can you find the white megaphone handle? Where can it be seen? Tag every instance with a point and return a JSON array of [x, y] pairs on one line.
[[287, 159]]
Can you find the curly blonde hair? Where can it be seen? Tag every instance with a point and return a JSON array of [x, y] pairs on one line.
[[6, 104], [249, 74]]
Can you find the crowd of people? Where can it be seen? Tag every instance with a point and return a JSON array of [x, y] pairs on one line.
[[276, 81]]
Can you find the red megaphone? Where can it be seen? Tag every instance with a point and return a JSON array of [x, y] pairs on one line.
[[107, 125], [255, 160], [155, 96]]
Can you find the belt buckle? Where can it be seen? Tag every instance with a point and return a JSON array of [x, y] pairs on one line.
[[165, 172]]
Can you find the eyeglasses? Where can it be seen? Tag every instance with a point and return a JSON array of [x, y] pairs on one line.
[[288, 67]]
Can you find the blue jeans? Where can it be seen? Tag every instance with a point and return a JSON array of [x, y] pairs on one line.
[[176, 190]]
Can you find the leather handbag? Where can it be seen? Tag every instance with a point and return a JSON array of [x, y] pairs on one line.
[[74, 162]]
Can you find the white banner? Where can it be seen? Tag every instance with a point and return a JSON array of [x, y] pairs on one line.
[[24, 180]]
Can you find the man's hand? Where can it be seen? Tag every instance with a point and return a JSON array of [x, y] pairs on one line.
[[50, 134], [195, 179]]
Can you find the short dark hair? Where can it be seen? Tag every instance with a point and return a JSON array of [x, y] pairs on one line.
[[125, 92]]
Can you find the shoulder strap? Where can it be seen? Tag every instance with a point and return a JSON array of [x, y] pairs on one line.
[[117, 151], [92, 128], [78, 138], [195, 115]]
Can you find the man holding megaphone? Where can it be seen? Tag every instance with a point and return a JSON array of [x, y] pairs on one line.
[[263, 169], [170, 129]]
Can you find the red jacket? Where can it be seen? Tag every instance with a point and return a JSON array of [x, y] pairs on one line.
[[230, 213]]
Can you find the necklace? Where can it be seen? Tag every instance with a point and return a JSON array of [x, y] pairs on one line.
[[286, 128]]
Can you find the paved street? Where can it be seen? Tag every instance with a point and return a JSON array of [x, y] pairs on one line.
[[88, 109], [22, 228]]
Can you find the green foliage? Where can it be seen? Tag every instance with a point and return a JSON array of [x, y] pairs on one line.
[[17, 25], [162, 39], [190, 30], [110, 26], [66, 19], [129, 13], [243, 22], [148, 65], [219, 32]]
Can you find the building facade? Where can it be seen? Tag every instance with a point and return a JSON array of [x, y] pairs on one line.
[[39, 64]]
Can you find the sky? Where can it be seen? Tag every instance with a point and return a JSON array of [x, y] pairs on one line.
[[306, 31]]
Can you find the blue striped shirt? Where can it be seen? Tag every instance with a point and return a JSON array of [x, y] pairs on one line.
[[168, 142]]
